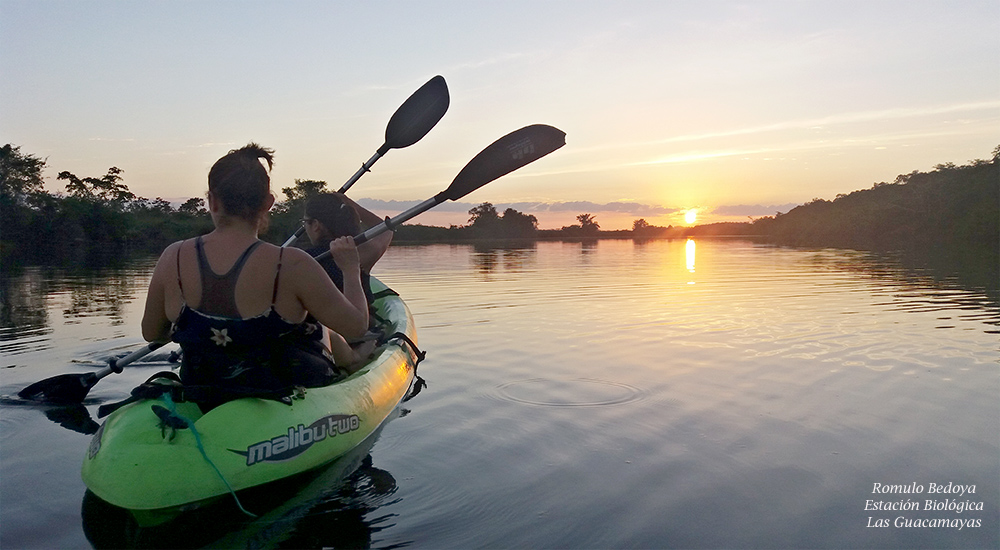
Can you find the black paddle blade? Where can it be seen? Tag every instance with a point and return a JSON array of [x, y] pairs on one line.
[[503, 156], [417, 115], [62, 389]]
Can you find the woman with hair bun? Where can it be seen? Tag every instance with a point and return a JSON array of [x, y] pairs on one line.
[[236, 304]]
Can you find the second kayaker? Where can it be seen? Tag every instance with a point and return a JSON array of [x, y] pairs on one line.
[[330, 216]]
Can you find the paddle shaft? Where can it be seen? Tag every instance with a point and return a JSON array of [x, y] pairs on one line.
[[118, 365], [366, 167], [391, 223]]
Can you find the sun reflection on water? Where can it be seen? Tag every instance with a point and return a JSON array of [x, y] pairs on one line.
[[689, 254]]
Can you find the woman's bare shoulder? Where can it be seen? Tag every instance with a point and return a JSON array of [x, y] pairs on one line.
[[302, 264], [170, 252], [296, 256]]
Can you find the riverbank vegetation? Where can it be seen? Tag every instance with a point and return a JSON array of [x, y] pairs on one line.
[[951, 206]]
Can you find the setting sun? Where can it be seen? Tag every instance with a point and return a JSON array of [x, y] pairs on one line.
[[691, 216]]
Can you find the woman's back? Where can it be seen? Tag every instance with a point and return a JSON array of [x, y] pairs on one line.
[[259, 281]]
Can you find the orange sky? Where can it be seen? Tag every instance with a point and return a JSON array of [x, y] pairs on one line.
[[735, 109]]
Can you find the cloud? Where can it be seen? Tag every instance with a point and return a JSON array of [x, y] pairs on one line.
[[843, 118], [587, 206], [752, 209], [621, 207], [495, 60], [829, 122]]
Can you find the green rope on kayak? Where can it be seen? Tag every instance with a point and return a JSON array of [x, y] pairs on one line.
[[201, 448]]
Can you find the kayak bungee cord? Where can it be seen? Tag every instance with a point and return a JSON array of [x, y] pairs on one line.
[[174, 420]]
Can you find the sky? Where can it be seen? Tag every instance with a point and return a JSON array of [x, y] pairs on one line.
[[733, 109]]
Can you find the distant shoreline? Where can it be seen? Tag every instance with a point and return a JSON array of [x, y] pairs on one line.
[[950, 208]]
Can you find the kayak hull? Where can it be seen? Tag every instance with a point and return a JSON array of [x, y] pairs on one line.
[[136, 463]]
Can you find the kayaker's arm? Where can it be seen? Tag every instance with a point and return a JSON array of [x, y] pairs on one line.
[[347, 257], [155, 324], [320, 297]]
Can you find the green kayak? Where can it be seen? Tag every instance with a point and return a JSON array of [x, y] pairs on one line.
[[157, 465]]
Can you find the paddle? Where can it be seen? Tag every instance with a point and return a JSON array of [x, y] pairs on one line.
[[72, 388], [503, 156], [411, 122]]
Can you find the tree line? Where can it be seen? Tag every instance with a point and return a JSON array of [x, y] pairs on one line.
[[948, 206], [93, 211]]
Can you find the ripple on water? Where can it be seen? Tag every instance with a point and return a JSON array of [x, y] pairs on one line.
[[576, 392]]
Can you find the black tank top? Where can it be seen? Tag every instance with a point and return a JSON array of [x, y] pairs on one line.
[[218, 292], [225, 350]]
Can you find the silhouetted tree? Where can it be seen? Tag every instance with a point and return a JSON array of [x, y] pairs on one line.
[[484, 221], [484, 215], [20, 176], [192, 207], [22, 195], [108, 189], [302, 190], [950, 207], [518, 224], [588, 224]]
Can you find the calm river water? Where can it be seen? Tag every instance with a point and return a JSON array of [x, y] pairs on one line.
[[614, 394]]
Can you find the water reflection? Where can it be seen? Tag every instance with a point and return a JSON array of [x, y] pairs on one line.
[[24, 317], [325, 512], [904, 284], [689, 255], [74, 417], [34, 299], [970, 267], [831, 364], [489, 257], [99, 297]]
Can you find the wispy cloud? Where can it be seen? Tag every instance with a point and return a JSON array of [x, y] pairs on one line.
[[990, 110], [620, 207], [879, 140], [495, 60], [843, 118], [752, 209]]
